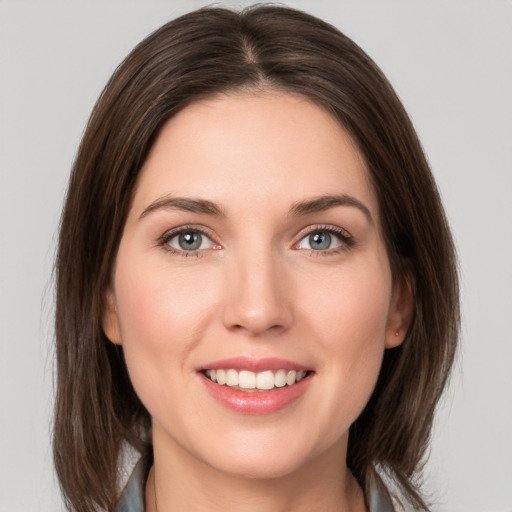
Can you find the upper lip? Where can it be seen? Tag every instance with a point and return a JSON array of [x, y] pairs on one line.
[[254, 364]]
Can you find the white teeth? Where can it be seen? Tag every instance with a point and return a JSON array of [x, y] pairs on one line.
[[279, 378], [247, 380], [250, 380], [232, 378], [221, 376], [265, 380], [290, 377]]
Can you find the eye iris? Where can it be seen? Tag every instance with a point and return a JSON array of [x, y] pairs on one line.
[[320, 240], [190, 241]]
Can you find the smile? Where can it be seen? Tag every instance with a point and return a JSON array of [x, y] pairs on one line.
[[256, 386], [246, 380]]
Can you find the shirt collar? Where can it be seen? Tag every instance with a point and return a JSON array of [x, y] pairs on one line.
[[132, 497]]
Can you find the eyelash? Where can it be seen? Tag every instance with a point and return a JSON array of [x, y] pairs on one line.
[[167, 237], [347, 241]]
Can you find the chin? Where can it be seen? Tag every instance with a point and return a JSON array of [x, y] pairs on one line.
[[260, 457], [259, 468]]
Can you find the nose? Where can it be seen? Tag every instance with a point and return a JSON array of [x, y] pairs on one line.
[[258, 294]]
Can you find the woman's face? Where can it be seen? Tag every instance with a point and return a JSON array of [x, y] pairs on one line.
[[253, 248]]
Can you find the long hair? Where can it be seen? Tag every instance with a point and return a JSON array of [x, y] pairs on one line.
[[200, 54]]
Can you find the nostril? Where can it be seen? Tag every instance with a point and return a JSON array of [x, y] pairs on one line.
[[254, 329]]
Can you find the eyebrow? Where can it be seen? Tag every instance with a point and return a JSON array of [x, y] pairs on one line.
[[318, 204], [185, 204], [327, 202]]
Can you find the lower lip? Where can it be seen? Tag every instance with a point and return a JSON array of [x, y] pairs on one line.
[[256, 402]]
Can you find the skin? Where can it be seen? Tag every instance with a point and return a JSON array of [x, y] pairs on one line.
[[255, 288]]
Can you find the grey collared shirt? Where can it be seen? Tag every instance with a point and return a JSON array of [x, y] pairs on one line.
[[132, 498]]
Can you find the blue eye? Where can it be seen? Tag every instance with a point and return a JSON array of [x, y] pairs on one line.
[[189, 241], [324, 240], [320, 241]]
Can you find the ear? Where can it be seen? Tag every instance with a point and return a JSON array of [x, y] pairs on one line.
[[110, 320], [400, 311]]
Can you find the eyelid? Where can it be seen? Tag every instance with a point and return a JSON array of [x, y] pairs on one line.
[[171, 233], [346, 239]]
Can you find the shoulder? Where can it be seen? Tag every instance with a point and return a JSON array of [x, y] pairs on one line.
[[379, 499], [132, 496]]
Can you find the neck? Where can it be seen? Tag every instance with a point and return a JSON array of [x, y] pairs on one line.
[[178, 481]]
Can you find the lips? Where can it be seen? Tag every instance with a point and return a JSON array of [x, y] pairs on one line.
[[256, 386]]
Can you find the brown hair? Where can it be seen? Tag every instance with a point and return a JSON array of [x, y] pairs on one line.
[[197, 55]]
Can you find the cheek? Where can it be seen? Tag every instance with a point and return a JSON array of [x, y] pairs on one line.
[[158, 304], [163, 314], [353, 307], [359, 313], [352, 319]]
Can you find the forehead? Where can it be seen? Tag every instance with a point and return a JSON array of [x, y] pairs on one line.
[[254, 148]]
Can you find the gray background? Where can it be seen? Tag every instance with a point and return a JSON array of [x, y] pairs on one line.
[[450, 62]]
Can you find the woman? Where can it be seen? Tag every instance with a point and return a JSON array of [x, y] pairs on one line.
[[256, 283]]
